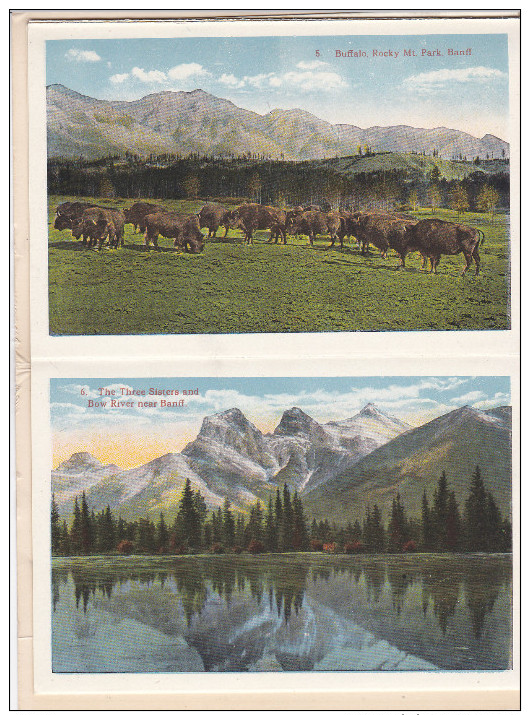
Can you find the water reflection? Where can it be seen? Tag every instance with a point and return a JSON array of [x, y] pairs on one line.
[[273, 613]]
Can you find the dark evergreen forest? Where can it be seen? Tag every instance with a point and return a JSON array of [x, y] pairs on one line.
[[279, 183], [282, 526]]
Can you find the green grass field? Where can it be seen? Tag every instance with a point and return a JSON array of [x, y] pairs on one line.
[[233, 288]]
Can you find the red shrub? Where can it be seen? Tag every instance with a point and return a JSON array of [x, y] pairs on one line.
[[316, 545], [125, 547], [256, 547], [330, 548], [410, 546]]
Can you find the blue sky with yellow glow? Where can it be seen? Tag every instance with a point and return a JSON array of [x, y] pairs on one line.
[[131, 435]]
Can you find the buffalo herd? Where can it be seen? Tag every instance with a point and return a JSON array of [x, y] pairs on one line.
[[432, 238]]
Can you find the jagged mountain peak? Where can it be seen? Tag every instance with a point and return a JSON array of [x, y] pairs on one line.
[[370, 410], [80, 461], [233, 416], [296, 423]]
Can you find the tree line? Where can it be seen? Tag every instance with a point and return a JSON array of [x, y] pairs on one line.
[[282, 527], [269, 182]]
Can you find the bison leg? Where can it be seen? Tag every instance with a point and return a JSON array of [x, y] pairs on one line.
[[468, 257], [435, 260], [476, 258]]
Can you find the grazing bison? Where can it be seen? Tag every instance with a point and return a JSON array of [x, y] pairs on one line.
[[183, 228], [434, 237], [98, 224], [255, 217], [313, 223], [211, 216], [69, 212], [384, 231], [138, 211]]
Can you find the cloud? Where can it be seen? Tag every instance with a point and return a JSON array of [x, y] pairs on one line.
[[185, 71], [82, 55], [469, 398], [152, 76], [307, 78], [449, 383], [119, 78], [313, 65], [439, 79], [231, 81]]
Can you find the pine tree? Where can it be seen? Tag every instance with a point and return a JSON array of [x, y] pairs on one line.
[[439, 514], [228, 524], [86, 527], [494, 521], [65, 540], [453, 534], [240, 538], [426, 524], [397, 527], [476, 514], [189, 522], [278, 518], [76, 529], [55, 529], [162, 535], [287, 522], [271, 534], [300, 535]]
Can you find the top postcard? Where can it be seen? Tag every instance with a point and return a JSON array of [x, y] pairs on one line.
[[280, 177]]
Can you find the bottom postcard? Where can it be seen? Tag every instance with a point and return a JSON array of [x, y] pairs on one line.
[[266, 526], [279, 525]]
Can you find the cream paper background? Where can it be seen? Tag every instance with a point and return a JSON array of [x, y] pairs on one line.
[[392, 354]]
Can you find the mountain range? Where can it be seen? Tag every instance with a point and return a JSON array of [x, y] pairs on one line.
[[338, 467], [189, 122]]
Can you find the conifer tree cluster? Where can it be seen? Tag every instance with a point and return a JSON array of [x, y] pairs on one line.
[[281, 527]]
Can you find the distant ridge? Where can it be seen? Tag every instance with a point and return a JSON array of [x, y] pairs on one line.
[[196, 121]]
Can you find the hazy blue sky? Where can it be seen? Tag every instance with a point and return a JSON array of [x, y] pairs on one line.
[[467, 92], [129, 435]]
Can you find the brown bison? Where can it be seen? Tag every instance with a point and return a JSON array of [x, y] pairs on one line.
[[384, 231], [211, 216], [313, 223], [255, 217], [183, 228], [98, 224], [434, 237], [138, 211], [68, 212]]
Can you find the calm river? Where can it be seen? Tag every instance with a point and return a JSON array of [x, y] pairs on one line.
[[293, 612]]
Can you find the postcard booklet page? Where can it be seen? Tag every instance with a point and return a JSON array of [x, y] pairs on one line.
[[268, 361]]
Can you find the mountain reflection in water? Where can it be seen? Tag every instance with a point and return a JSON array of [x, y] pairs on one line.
[[279, 612]]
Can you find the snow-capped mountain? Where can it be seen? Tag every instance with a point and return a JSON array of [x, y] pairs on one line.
[[337, 466], [413, 461]]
